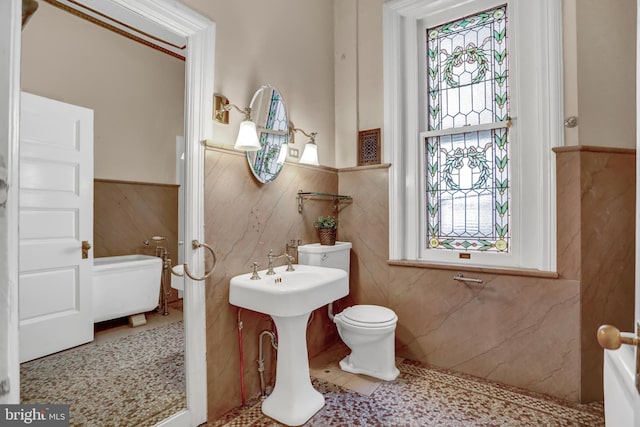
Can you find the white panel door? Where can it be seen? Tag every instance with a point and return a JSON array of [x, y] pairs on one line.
[[56, 216]]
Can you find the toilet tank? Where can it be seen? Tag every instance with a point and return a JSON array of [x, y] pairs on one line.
[[336, 256]]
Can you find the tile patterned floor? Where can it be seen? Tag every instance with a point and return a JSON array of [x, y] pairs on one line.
[[127, 377], [421, 396]]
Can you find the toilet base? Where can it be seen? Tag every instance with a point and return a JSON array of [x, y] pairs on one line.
[[347, 366]]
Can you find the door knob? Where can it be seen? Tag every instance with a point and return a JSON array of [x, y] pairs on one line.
[[85, 249], [609, 337]]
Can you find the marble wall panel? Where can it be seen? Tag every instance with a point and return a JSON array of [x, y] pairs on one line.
[[243, 220], [516, 330], [364, 223], [568, 224], [125, 214], [607, 192], [524, 331], [521, 331]]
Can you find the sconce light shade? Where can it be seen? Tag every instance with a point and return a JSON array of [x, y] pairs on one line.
[[310, 154], [247, 137]]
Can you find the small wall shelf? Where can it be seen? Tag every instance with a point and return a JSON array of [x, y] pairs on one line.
[[337, 199]]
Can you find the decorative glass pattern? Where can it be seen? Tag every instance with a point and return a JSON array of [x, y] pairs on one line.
[[266, 161], [467, 146]]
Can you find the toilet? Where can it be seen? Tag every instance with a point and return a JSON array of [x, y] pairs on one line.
[[368, 330]]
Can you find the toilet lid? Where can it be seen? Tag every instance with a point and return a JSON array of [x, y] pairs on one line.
[[370, 314]]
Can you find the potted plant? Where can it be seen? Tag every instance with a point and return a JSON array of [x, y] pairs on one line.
[[327, 227]]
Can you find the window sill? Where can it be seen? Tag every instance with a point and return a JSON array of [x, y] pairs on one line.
[[523, 272]]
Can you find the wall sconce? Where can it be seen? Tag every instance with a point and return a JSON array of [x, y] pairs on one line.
[[310, 152], [29, 7], [247, 135]]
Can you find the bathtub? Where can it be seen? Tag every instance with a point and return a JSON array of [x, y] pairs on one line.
[[621, 399], [125, 285]]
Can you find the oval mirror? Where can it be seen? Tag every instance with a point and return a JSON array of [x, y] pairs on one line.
[[269, 113]]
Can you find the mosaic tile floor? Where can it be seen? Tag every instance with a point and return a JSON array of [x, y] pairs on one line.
[[422, 396], [128, 378]]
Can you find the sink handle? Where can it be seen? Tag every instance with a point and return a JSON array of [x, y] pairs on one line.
[[254, 274]]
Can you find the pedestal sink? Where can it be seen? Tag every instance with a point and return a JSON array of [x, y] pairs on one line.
[[289, 297]]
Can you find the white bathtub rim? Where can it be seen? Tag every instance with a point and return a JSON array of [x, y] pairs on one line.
[[104, 263]]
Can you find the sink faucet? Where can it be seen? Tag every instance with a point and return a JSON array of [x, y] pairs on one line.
[[273, 257]]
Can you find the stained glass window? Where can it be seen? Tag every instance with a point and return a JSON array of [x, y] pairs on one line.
[[467, 144]]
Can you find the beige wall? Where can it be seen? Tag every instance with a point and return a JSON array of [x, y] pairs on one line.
[[288, 44], [600, 64], [137, 93], [346, 81], [358, 74], [606, 34], [329, 70]]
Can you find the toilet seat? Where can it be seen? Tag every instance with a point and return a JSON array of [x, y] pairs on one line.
[[368, 316]]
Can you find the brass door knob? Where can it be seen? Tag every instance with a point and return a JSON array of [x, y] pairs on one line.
[[609, 337], [85, 249]]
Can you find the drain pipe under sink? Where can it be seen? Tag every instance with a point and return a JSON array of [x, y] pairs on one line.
[[240, 325], [274, 344]]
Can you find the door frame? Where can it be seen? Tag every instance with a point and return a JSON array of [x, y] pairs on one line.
[[199, 72], [10, 23]]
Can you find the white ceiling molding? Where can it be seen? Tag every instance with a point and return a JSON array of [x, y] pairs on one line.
[[119, 19]]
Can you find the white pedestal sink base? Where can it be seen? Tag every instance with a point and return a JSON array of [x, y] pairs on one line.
[[293, 400]]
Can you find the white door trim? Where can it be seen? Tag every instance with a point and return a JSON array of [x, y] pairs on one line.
[[198, 127], [199, 72], [10, 22]]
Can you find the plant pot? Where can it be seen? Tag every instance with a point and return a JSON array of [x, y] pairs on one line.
[[327, 236]]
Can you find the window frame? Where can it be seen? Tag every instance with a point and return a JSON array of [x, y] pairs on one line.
[[536, 109]]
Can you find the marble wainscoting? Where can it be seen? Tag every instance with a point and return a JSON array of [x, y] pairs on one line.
[[535, 332], [365, 223], [596, 244], [517, 330], [521, 331], [531, 332], [243, 220], [127, 213]]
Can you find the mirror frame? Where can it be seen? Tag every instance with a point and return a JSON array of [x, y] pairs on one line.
[[251, 155]]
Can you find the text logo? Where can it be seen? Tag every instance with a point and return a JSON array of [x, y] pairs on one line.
[[34, 415]]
